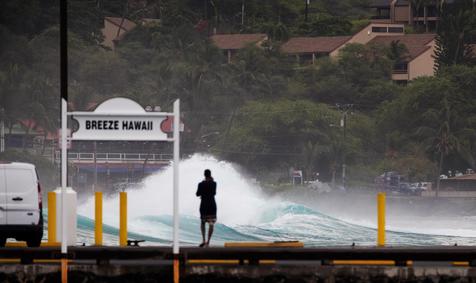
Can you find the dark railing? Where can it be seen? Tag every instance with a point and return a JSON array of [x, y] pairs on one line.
[[326, 255], [400, 68], [116, 157], [399, 72], [384, 17]]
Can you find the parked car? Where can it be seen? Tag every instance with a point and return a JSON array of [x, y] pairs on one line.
[[416, 188], [423, 186], [389, 181], [20, 204], [405, 188]]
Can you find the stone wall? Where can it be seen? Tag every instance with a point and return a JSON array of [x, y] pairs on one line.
[[302, 273]]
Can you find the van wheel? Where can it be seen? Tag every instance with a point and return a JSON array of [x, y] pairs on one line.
[[33, 243], [3, 241]]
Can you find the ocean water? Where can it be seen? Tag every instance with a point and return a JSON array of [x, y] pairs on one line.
[[245, 213]]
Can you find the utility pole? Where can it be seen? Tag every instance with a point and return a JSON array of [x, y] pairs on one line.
[[307, 10], [344, 125], [2, 130], [243, 13], [344, 109]]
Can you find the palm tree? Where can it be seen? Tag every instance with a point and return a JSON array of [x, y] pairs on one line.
[[445, 142], [310, 153], [41, 105], [468, 145], [457, 22], [442, 139], [11, 97]]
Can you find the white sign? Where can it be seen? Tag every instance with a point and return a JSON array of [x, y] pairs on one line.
[[120, 119]]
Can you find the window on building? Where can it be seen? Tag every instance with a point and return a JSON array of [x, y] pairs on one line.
[[395, 29], [322, 54], [382, 14], [400, 68], [379, 29], [305, 59], [420, 12], [432, 11]]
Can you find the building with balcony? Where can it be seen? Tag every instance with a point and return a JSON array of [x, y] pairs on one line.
[[111, 169], [405, 12], [307, 49], [418, 61]]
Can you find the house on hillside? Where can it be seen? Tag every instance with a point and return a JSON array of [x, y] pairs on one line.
[[405, 12], [231, 43], [419, 61], [306, 49]]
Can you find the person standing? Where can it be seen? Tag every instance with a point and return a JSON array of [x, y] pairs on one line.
[[208, 207]]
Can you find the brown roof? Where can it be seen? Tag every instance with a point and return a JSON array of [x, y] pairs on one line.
[[236, 41], [324, 44], [464, 177], [415, 43]]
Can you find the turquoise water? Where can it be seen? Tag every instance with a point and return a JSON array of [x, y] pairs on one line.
[[292, 222], [244, 214]]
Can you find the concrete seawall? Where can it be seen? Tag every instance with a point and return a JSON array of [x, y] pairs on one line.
[[242, 264], [305, 273]]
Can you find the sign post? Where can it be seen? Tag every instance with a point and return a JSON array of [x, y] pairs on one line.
[[122, 119], [176, 127], [2, 130], [64, 105], [176, 130], [64, 175]]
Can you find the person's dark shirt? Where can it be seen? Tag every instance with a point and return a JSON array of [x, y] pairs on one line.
[[207, 190]]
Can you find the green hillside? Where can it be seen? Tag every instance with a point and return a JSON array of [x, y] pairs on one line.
[[263, 110]]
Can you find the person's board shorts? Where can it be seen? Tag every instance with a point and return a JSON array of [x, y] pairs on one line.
[[211, 219]]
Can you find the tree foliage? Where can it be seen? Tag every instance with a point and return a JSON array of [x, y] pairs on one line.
[[262, 110], [456, 31]]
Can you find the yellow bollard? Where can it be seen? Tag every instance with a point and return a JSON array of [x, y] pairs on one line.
[[51, 217], [381, 219], [123, 219], [176, 269], [98, 219], [64, 270]]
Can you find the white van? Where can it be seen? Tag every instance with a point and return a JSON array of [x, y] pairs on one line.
[[20, 204]]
